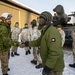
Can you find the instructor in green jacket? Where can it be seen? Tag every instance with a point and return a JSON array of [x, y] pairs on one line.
[[50, 43]]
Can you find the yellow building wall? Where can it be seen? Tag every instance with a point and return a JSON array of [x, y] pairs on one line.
[[19, 15], [33, 16], [23, 18], [14, 11]]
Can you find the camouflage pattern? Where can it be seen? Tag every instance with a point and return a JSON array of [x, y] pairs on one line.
[[36, 54], [15, 36], [5, 43], [14, 49], [5, 37], [62, 36], [25, 36], [4, 61], [34, 34], [73, 44], [15, 33]]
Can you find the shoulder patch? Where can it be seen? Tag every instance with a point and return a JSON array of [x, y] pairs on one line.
[[53, 39]]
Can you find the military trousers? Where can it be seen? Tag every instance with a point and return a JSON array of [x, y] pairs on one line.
[[14, 49], [26, 48], [36, 54], [4, 61]]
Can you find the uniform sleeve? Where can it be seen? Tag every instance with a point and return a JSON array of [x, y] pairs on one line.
[[38, 33], [63, 38], [54, 45], [12, 29], [21, 36], [6, 40], [19, 31], [29, 37], [35, 43]]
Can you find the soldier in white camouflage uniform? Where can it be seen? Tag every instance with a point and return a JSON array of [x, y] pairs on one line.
[[25, 37], [59, 27], [35, 33], [15, 36], [73, 47]]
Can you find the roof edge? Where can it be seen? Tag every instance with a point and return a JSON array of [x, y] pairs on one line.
[[20, 6]]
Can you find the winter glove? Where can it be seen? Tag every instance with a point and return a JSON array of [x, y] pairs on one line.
[[26, 43], [46, 71]]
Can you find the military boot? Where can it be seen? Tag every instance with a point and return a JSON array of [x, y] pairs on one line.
[[72, 65], [29, 52], [34, 62], [16, 54], [38, 66], [12, 54], [6, 74], [26, 52], [8, 69]]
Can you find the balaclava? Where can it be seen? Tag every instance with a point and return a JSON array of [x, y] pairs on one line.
[[26, 25], [33, 23], [45, 18]]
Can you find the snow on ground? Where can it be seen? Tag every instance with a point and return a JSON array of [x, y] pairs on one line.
[[20, 65]]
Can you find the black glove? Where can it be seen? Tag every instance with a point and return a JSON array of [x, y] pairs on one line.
[[46, 71], [26, 43]]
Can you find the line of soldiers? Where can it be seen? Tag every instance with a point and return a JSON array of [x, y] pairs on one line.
[[27, 34]]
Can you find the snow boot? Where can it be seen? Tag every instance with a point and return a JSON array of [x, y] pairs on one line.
[[72, 65], [29, 52], [16, 53], [12, 54], [38, 66], [34, 62], [8, 69], [26, 52], [6, 74]]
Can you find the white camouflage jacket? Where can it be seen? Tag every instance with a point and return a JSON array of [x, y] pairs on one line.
[[25, 35], [15, 33], [34, 33]]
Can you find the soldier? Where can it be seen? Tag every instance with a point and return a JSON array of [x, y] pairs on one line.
[[15, 36], [50, 46], [5, 41], [73, 47], [34, 34], [25, 37], [59, 27]]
